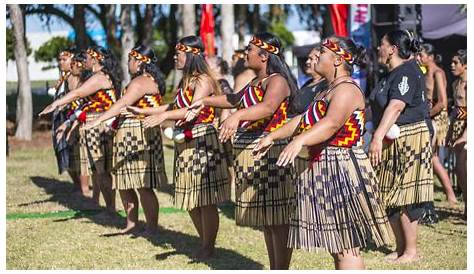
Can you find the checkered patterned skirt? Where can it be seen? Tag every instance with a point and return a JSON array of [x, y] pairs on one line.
[[137, 156], [455, 131], [264, 191], [406, 173], [74, 151], [338, 206], [95, 148], [200, 170], [441, 125]]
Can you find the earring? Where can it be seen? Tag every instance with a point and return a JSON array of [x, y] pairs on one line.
[[335, 72]]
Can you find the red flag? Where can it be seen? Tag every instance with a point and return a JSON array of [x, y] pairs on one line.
[[207, 29], [339, 13]]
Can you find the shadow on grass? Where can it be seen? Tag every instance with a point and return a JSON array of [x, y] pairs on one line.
[[62, 192], [187, 244]]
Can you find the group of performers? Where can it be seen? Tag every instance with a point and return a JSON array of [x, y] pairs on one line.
[[290, 159]]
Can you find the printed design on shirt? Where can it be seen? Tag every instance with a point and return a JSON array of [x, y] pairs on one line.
[[403, 86]]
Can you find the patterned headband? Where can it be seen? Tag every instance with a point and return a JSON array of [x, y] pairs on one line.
[[263, 45], [95, 54], [66, 53], [339, 51], [140, 57], [184, 48]]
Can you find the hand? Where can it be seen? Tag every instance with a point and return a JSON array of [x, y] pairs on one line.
[[375, 151], [74, 125], [127, 114], [194, 109], [460, 140], [48, 109], [262, 147], [92, 124], [154, 120], [136, 110], [228, 128], [60, 131], [290, 152]]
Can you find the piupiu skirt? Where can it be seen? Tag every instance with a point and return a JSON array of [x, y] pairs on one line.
[[264, 191], [137, 156], [74, 151], [441, 124], [405, 173], [455, 131], [96, 148], [338, 206], [200, 170]]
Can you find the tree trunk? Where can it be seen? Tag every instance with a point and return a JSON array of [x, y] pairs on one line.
[[227, 31], [189, 19], [241, 20], [111, 29], [24, 110], [80, 26], [126, 41], [148, 25]]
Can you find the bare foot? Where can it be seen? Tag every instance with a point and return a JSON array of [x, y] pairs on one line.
[[204, 253], [407, 258], [452, 203], [392, 256], [130, 229]]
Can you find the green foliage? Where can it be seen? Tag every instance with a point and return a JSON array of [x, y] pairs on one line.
[[280, 30], [11, 45], [159, 46], [49, 51]]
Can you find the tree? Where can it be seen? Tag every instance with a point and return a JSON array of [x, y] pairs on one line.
[[48, 52], [188, 19], [24, 113], [81, 40], [10, 43], [127, 40], [227, 31]]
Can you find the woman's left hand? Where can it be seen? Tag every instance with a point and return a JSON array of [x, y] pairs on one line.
[[154, 120], [375, 151], [228, 128], [92, 124], [290, 152]]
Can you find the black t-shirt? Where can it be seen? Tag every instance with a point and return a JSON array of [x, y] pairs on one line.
[[406, 83], [304, 97]]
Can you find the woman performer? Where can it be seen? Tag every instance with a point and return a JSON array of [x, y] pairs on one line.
[[457, 134], [337, 201], [403, 166], [78, 76], [435, 82], [138, 162], [200, 170], [100, 93], [264, 191]]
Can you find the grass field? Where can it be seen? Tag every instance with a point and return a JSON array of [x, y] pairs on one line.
[[65, 239]]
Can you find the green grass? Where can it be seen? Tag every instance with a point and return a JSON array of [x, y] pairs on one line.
[[87, 241]]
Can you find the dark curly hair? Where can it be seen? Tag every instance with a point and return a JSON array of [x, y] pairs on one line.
[[430, 51], [151, 68], [462, 54], [405, 41], [110, 66]]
